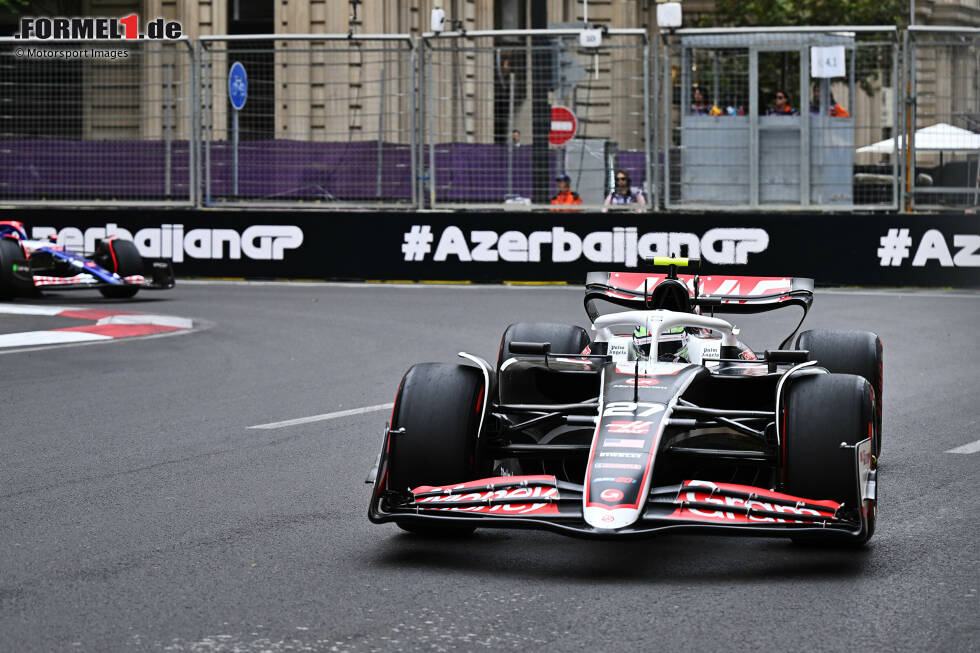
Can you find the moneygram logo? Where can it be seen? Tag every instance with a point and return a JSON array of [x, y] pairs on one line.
[[261, 242], [84, 29], [623, 245]]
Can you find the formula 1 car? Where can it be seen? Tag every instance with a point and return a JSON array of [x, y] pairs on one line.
[[663, 422], [116, 268]]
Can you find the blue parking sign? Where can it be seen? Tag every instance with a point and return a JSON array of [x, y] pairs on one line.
[[237, 85]]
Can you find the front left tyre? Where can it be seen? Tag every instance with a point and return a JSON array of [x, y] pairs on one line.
[[825, 416], [439, 406]]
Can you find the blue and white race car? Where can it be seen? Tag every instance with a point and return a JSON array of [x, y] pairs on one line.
[[116, 268]]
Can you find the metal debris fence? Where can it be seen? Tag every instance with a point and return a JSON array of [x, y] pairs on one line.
[[484, 120]]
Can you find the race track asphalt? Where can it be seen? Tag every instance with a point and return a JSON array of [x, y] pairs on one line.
[[138, 511]]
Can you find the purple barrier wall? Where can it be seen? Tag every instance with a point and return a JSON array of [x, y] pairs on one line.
[[270, 169]]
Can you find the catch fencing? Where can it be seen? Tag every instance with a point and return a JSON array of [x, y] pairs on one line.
[[880, 120], [943, 125], [329, 121], [507, 112], [97, 122], [775, 119]]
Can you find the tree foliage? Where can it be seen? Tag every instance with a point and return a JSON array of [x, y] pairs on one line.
[[778, 13]]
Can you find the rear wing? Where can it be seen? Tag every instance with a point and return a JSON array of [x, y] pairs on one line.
[[716, 293]]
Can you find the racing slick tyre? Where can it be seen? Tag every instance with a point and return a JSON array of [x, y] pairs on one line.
[[121, 257], [439, 407], [564, 338], [823, 411], [843, 351], [11, 257]]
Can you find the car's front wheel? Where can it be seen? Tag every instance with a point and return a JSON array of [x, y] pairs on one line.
[[11, 258], [121, 257], [825, 415], [436, 420]]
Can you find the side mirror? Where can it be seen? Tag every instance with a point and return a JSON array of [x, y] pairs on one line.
[[533, 348]]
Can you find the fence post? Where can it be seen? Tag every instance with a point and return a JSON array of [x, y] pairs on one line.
[[648, 170]]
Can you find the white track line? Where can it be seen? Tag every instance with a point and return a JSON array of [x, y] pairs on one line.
[[972, 447], [322, 417], [29, 338]]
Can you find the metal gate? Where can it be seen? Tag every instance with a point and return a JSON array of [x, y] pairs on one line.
[[776, 118]]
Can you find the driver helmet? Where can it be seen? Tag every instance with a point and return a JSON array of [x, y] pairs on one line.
[[672, 346], [640, 345]]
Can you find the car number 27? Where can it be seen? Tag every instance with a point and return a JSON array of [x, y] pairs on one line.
[[630, 409]]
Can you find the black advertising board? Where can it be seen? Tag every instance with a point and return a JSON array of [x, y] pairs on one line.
[[834, 249]]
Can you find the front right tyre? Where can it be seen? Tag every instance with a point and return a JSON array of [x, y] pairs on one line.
[[439, 406]]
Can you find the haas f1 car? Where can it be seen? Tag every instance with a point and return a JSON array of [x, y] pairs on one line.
[[116, 268], [662, 421]]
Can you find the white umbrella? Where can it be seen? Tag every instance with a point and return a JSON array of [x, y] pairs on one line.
[[937, 138]]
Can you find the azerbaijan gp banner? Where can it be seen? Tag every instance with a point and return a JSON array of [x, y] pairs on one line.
[[851, 249]]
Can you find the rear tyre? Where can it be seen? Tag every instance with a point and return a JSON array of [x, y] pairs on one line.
[[121, 257], [11, 258], [822, 411], [843, 351], [439, 406], [564, 338]]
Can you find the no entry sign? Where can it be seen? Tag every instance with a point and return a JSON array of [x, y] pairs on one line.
[[563, 125]]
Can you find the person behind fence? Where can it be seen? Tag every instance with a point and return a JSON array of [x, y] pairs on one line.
[[624, 193], [515, 138], [565, 195], [701, 107], [835, 111], [781, 106]]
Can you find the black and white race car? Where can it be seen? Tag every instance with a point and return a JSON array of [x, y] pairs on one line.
[[115, 269], [662, 421]]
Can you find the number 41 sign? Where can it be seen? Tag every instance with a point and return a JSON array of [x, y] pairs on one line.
[[827, 61]]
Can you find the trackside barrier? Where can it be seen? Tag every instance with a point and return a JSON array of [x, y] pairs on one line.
[[872, 249]]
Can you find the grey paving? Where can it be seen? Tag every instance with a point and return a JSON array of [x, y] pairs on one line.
[[137, 511]]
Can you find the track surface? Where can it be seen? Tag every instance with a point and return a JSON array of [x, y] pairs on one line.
[[139, 513]]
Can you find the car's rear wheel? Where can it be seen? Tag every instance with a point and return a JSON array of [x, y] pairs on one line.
[[121, 257], [822, 411], [843, 351], [439, 407], [564, 338], [11, 258]]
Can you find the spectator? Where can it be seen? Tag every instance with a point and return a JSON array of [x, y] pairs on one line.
[[781, 106], [701, 107], [624, 193], [515, 138], [565, 195], [836, 110]]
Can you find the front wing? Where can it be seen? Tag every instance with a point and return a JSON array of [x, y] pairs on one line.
[[543, 502], [160, 271]]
